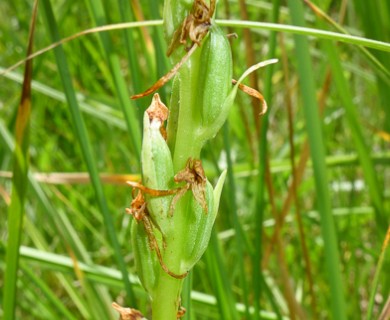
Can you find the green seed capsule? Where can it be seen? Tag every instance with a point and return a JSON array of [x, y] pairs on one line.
[[215, 75], [200, 223], [146, 262], [200, 90]]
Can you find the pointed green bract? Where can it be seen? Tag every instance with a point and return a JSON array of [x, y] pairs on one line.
[[157, 172]]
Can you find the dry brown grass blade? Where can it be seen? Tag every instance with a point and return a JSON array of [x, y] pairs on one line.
[[152, 192], [245, 119], [254, 94], [77, 177], [24, 110], [139, 15], [295, 309], [385, 314], [300, 172], [250, 61], [297, 179], [294, 185], [164, 79]]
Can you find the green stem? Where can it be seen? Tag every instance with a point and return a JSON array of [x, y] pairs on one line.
[[187, 143], [167, 297]]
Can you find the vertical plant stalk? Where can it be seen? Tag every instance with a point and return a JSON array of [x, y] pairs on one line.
[[240, 236], [294, 182], [258, 284], [19, 183], [316, 143], [176, 206], [302, 163]]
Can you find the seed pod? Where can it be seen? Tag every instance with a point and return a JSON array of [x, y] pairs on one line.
[[146, 261], [200, 223], [200, 90], [157, 167], [215, 75]]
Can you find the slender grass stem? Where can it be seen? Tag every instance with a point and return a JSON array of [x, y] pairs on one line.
[[86, 148], [316, 143]]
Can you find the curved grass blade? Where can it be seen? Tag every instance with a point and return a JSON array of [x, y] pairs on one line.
[[375, 62], [50, 295], [299, 30]]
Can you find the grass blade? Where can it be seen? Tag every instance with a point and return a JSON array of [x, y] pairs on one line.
[[316, 142], [371, 58], [81, 133], [48, 293], [240, 238], [19, 183], [377, 273], [361, 147], [321, 34], [220, 281], [131, 117], [258, 285]]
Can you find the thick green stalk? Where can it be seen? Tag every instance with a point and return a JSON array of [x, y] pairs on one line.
[[200, 96], [166, 304], [166, 297], [186, 146]]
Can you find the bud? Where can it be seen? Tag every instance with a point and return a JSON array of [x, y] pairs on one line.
[[200, 223], [157, 167], [146, 261], [215, 75]]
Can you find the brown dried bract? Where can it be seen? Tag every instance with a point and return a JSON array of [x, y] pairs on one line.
[[164, 79], [195, 26], [255, 94], [158, 113], [152, 192], [194, 177], [140, 212], [127, 313], [137, 207], [157, 110], [181, 312]]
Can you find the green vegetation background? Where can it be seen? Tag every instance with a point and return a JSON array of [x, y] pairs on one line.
[[297, 236]]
